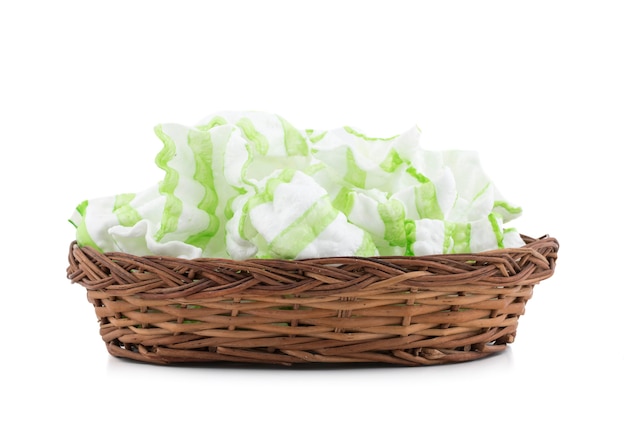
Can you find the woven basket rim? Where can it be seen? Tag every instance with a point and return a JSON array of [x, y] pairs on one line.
[[450, 269]]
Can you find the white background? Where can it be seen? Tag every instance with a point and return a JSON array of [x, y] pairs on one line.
[[536, 87]]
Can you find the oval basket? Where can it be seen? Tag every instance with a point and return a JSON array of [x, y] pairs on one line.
[[393, 310]]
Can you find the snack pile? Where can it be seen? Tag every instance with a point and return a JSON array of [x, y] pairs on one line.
[[247, 185]]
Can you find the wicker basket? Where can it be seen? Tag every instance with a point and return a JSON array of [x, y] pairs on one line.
[[397, 310]]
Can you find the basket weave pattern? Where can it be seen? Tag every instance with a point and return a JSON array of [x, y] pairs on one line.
[[397, 310]]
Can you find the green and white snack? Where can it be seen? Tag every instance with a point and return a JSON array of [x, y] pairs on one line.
[[250, 185]]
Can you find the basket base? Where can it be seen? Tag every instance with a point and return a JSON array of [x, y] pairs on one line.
[[285, 357]]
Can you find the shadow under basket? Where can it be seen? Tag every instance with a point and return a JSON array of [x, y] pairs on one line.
[[409, 311]]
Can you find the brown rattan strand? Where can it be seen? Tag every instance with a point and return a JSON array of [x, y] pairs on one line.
[[392, 310]]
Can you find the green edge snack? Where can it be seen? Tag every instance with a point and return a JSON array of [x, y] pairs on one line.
[[251, 185]]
